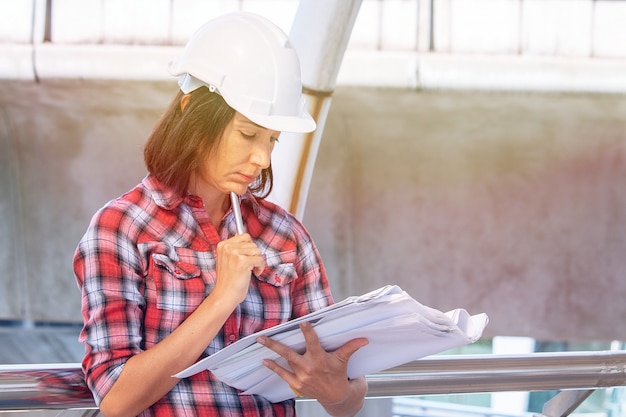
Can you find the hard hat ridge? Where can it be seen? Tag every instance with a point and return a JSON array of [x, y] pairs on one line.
[[252, 64]]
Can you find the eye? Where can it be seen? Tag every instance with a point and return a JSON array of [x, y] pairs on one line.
[[247, 135], [274, 139]]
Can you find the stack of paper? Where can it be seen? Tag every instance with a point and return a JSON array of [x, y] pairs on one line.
[[399, 330]]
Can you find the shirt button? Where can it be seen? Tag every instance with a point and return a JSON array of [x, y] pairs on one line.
[[232, 337]]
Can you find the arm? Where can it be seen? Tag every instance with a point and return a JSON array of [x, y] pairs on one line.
[[316, 374], [352, 403], [147, 375], [321, 375]]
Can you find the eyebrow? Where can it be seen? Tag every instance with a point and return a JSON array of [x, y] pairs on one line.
[[250, 122], [245, 120]]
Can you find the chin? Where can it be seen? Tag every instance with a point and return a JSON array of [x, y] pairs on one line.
[[240, 189]]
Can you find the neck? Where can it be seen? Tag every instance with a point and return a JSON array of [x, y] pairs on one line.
[[216, 203]]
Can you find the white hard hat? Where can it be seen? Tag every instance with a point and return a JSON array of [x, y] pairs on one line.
[[251, 63]]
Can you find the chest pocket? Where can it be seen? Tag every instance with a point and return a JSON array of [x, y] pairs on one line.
[[269, 300], [179, 286], [280, 269]]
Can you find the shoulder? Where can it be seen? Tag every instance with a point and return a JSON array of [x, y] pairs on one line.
[[281, 220], [147, 199], [135, 197], [122, 212]]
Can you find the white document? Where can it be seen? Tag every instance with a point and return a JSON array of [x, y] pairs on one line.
[[399, 330]]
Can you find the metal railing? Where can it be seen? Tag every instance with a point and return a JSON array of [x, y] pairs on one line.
[[577, 374]]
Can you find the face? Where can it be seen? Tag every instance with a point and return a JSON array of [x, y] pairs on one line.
[[243, 151]]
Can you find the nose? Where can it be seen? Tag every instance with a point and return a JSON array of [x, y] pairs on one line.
[[261, 153]]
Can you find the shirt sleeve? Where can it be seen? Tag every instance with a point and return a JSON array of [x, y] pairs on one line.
[[311, 291], [108, 271]]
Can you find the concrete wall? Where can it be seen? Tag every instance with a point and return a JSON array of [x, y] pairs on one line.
[[509, 204], [65, 149]]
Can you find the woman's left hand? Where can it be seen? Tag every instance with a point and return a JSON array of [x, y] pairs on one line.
[[316, 373]]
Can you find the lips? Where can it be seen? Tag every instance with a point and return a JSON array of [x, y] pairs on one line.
[[248, 178]]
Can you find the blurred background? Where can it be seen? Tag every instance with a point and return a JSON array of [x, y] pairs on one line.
[[474, 154]]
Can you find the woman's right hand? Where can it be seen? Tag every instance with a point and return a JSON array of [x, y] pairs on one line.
[[142, 383], [237, 258]]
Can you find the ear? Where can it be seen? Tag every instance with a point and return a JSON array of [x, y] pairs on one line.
[[184, 101]]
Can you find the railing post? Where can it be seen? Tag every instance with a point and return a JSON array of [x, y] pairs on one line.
[[564, 403]]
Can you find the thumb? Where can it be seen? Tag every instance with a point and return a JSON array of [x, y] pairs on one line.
[[258, 270], [349, 348]]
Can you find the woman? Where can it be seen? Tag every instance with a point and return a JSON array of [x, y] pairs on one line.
[[165, 277]]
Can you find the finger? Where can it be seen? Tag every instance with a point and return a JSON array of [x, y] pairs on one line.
[[244, 237], [313, 344], [253, 253], [239, 241], [286, 375], [349, 348], [279, 348], [245, 249]]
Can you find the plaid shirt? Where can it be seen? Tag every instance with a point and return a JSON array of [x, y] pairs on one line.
[[147, 261]]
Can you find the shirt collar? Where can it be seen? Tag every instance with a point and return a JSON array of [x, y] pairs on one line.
[[168, 199], [250, 199], [162, 195]]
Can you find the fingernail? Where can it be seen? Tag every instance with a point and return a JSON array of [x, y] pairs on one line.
[[261, 340]]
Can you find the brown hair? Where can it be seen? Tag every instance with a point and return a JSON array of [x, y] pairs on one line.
[[181, 140]]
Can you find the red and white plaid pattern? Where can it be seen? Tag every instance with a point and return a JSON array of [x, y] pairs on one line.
[[147, 261]]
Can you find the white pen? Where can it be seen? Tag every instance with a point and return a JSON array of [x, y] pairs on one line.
[[234, 200]]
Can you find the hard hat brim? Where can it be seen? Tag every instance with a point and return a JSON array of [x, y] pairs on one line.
[[301, 124]]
